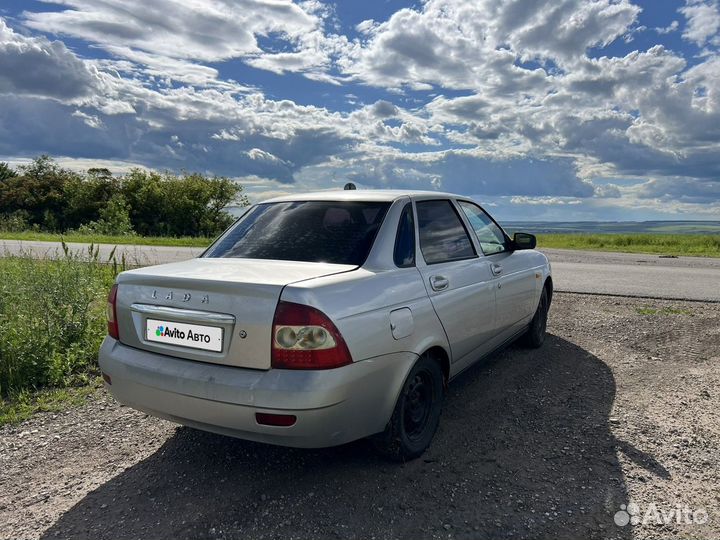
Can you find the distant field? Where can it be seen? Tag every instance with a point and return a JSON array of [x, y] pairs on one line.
[[698, 245], [185, 241]]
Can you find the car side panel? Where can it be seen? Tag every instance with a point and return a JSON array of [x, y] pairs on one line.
[[466, 307], [360, 304], [518, 287]]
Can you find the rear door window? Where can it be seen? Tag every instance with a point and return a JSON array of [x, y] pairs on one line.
[[340, 232], [443, 236]]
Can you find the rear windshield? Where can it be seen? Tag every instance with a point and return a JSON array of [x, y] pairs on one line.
[[312, 231]]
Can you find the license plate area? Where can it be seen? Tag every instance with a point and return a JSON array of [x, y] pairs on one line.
[[191, 336]]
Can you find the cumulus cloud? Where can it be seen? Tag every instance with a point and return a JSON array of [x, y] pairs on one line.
[[495, 99], [703, 22], [681, 189], [36, 66], [476, 44], [207, 31]]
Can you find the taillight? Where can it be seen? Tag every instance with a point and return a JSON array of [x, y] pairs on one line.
[[305, 338], [112, 323]]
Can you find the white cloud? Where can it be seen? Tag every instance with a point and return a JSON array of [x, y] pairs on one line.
[[38, 67], [672, 27], [490, 98], [703, 22], [200, 30], [475, 44], [551, 201], [91, 120]]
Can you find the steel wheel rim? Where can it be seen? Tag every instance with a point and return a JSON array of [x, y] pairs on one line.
[[417, 405]]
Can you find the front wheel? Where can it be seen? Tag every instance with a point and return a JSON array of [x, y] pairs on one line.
[[535, 335], [416, 415]]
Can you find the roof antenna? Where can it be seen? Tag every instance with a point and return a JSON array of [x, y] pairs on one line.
[[349, 186]]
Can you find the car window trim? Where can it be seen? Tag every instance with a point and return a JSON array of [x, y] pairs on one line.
[[508, 240], [462, 222]]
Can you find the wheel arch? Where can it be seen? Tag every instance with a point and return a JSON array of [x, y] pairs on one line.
[[549, 286], [441, 356]]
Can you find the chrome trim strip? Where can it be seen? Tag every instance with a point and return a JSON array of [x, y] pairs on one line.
[[183, 314]]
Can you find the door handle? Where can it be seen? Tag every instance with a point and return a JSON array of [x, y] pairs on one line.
[[439, 283], [496, 269]]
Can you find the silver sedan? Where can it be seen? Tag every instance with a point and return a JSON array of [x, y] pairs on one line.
[[323, 318]]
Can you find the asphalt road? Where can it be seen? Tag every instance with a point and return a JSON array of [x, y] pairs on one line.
[[134, 255], [593, 272], [630, 274]]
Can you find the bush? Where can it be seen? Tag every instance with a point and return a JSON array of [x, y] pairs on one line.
[[58, 200], [52, 319], [114, 219], [15, 222]]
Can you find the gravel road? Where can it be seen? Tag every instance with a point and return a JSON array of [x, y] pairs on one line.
[[618, 406]]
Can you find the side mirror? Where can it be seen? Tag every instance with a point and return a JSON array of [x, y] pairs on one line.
[[523, 240]]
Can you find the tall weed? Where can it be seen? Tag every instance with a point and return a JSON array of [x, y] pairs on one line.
[[52, 318]]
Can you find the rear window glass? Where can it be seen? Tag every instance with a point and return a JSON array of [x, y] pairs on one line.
[[312, 231]]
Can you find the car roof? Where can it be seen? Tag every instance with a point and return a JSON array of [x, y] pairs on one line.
[[384, 195]]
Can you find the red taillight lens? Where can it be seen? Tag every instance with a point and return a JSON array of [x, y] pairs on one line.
[[268, 419], [305, 338], [112, 323]]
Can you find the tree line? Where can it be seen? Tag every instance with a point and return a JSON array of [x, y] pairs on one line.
[[44, 196]]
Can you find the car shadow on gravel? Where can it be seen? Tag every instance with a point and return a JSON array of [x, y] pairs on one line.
[[524, 450]]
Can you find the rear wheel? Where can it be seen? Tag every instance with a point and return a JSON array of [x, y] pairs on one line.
[[416, 415], [535, 335]]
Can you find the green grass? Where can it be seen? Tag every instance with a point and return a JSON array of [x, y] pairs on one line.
[[52, 322], [697, 245], [22, 405], [185, 241]]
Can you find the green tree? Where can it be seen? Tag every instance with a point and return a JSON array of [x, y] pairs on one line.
[[47, 196], [6, 172], [186, 205], [114, 219], [144, 192], [38, 189], [85, 197]]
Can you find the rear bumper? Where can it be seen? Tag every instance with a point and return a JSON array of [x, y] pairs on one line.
[[332, 406]]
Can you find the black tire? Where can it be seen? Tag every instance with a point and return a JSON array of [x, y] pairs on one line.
[[535, 335], [416, 415]]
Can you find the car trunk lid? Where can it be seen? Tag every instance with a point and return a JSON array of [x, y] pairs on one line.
[[209, 309]]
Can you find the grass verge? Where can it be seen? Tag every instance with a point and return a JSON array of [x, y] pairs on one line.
[[185, 241], [20, 406], [52, 322], [696, 245]]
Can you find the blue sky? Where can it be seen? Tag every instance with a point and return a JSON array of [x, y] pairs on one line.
[[548, 110]]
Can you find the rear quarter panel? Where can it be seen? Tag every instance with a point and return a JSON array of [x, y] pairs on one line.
[[360, 303]]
